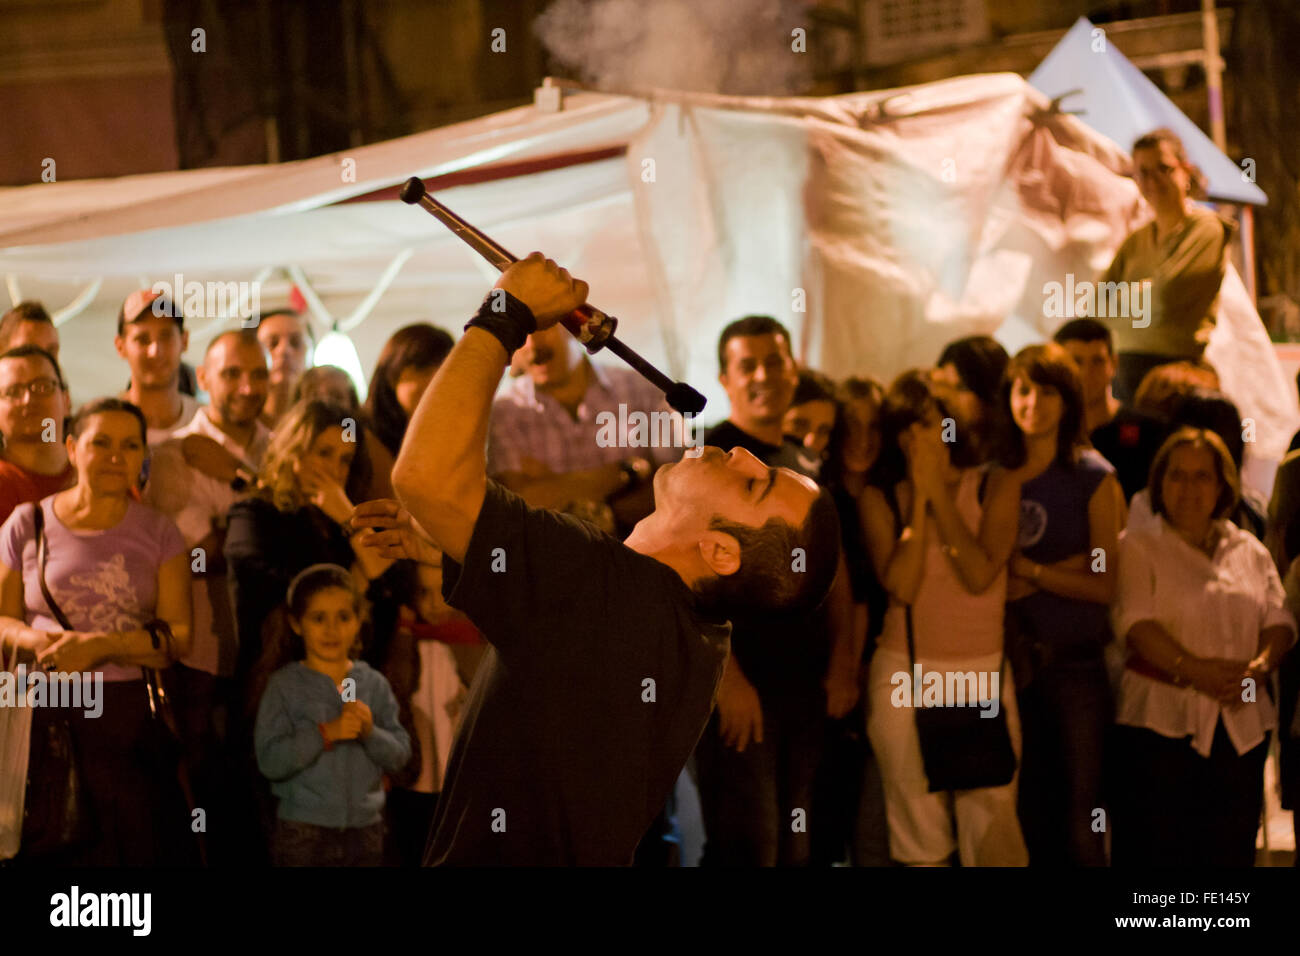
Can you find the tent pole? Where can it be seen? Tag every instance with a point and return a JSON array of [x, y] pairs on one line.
[[1248, 250], [1213, 73], [78, 304], [240, 306], [314, 304], [372, 299]]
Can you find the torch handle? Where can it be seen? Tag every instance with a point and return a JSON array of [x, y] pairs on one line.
[[589, 325]]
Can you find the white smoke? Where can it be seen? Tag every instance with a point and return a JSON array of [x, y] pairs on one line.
[[742, 47]]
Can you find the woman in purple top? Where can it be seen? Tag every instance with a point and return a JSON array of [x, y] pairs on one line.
[[120, 573], [1062, 579]]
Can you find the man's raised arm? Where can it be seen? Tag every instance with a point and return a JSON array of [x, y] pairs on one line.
[[440, 475]]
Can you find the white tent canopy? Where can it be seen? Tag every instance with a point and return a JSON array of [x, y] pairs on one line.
[[876, 225]]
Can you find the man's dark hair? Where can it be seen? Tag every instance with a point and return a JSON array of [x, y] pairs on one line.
[[1213, 411], [767, 580], [29, 351], [814, 387], [28, 311], [272, 313], [35, 351], [1085, 330], [750, 325], [1163, 388]]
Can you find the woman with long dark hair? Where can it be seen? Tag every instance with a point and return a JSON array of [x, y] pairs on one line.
[[1062, 580], [405, 368], [967, 377], [939, 537]]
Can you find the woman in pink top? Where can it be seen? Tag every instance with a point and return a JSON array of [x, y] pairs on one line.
[[945, 555], [120, 574]]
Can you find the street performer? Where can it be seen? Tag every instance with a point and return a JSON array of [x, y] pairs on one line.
[[605, 655]]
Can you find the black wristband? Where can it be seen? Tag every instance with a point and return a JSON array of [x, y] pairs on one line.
[[511, 322]]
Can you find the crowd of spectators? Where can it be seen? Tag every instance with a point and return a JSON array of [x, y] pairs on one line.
[[1126, 603]]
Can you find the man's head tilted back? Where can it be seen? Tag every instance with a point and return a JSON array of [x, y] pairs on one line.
[[753, 537]]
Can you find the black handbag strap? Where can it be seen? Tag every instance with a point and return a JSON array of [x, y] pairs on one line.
[[41, 549], [159, 706], [891, 499]]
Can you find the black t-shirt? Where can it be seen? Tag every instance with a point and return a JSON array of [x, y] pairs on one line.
[[785, 455], [1129, 441], [784, 655], [568, 751]]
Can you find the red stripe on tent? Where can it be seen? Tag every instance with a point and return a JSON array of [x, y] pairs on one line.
[[488, 174]]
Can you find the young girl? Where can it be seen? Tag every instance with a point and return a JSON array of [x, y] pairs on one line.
[[327, 730]]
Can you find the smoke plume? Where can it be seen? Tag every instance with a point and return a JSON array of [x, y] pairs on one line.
[[739, 47]]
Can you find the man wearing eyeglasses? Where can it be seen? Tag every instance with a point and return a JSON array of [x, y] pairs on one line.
[[1181, 256], [34, 403]]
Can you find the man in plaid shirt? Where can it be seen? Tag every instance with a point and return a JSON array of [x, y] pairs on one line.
[[559, 439]]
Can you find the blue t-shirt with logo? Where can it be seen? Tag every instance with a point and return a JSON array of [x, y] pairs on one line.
[[1054, 526]]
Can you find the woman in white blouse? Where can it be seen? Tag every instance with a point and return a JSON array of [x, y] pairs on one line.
[[1200, 606]]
